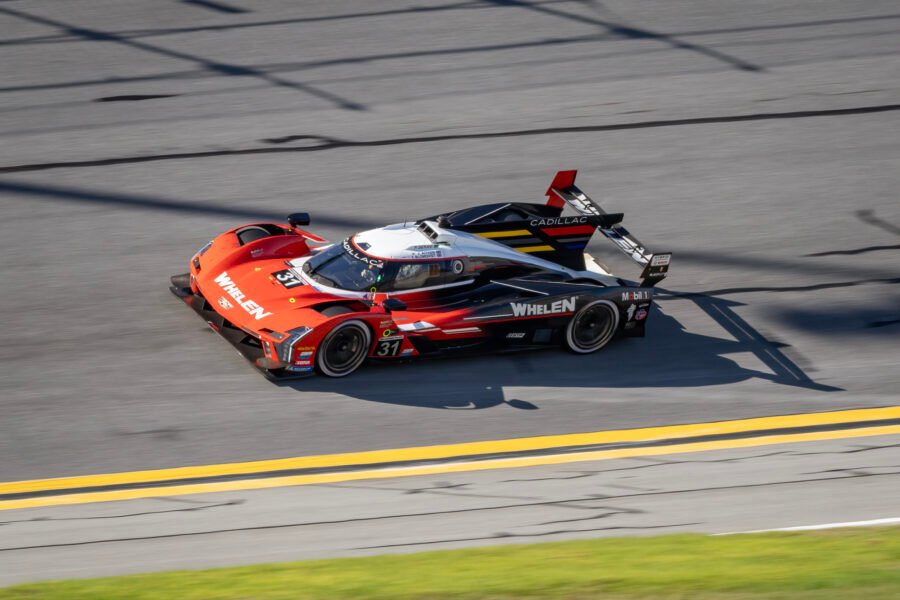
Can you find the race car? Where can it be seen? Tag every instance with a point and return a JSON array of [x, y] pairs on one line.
[[503, 276]]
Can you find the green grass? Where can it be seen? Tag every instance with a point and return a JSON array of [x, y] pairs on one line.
[[844, 564]]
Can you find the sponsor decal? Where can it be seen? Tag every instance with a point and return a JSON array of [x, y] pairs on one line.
[[298, 368], [558, 221], [386, 323], [638, 312], [224, 303], [660, 260], [636, 296], [305, 354], [235, 292], [302, 362], [257, 252], [516, 335], [407, 352], [521, 309], [287, 278], [349, 249]]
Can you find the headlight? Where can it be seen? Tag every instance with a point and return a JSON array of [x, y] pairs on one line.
[[200, 253], [203, 250], [286, 348]]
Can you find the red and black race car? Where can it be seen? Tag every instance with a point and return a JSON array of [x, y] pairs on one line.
[[492, 277]]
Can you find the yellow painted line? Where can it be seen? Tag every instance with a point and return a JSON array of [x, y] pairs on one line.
[[456, 467], [502, 234], [535, 249], [455, 450]]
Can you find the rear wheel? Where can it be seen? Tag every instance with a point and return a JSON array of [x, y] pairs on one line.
[[344, 349], [592, 327]]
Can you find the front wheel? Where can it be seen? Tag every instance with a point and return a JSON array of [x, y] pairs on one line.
[[344, 349], [592, 327]]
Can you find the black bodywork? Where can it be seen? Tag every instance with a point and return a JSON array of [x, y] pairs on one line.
[[533, 218], [528, 312]]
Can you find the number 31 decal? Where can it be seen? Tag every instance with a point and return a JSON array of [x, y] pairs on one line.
[[287, 278], [388, 347]]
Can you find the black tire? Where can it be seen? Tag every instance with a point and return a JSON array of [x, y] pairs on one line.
[[592, 327], [344, 349], [181, 281]]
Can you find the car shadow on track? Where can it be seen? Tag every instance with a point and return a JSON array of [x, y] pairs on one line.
[[669, 357]]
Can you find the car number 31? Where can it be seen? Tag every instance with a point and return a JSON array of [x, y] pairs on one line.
[[287, 278], [388, 347]]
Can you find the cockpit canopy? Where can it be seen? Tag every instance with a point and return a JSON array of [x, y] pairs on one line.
[[345, 267]]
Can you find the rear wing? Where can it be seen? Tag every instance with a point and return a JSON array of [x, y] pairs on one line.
[[563, 191]]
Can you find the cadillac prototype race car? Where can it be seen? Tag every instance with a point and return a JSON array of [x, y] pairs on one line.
[[493, 277]]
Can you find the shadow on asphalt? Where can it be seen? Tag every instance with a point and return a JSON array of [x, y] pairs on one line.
[[668, 357]]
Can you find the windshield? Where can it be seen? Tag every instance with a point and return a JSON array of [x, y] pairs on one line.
[[342, 266]]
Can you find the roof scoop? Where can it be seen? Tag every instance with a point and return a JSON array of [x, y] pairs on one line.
[[433, 233]]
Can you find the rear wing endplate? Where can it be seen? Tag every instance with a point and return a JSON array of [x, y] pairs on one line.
[[563, 190]]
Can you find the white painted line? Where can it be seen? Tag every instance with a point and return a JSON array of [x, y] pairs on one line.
[[887, 521]]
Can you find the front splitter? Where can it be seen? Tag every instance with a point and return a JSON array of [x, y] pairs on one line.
[[245, 343]]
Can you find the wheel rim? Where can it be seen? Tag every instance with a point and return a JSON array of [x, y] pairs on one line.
[[345, 349], [593, 326]]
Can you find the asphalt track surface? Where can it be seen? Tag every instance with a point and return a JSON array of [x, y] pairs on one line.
[[729, 491], [755, 140]]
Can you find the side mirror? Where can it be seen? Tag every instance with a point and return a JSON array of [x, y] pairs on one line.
[[298, 219], [392, 304]]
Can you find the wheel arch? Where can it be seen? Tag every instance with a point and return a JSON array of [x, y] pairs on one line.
[[569, 336], [321, 360]]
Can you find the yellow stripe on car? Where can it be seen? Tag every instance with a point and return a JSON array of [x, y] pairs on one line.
[[535, 249]]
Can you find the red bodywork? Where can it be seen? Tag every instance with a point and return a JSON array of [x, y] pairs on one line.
[[240, 282]]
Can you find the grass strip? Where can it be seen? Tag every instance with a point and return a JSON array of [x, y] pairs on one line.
[[846, 564]]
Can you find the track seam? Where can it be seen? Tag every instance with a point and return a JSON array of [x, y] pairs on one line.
[[327, 143]]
